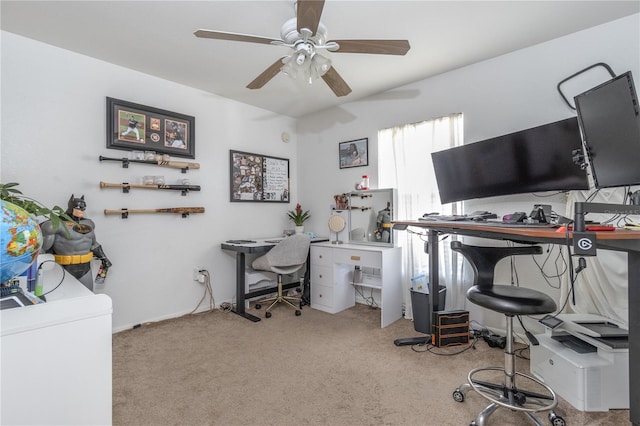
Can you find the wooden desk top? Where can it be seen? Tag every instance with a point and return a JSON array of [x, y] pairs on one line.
[[619, 239]]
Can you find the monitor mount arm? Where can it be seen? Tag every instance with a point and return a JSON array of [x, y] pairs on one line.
[[584, 243], [582, 208]]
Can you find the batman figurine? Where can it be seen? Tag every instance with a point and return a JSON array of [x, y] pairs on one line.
[[74, 244]]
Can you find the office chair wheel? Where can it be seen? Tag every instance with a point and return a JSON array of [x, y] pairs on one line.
[[267, 314], [258, 306], [556, 420], [520, 398], [298, 313], [458, 396]]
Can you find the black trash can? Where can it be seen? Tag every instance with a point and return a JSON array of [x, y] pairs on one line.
[[422, 308]]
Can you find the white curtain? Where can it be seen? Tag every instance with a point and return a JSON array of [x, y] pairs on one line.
[[404, 163], [601, 288]]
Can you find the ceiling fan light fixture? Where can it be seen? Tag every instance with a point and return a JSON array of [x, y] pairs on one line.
[[319, 65], [303, 67], [287, 68], [296, 66]]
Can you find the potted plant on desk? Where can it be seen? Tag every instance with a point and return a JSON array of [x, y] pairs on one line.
[[10, 194], [298, 216]]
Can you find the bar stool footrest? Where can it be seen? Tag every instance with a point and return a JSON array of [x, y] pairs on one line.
[[514, 399]]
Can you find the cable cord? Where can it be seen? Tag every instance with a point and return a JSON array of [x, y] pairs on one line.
[[64, 273], [560, 265], [428, 347], [566, 300], [369, 300], [207, 291]]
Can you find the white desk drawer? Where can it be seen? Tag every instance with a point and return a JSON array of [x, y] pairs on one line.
[[322, 297], [321, 275], [320, 256], [371, 259]]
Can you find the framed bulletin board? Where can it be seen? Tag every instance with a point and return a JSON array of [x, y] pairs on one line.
[[257, 177]]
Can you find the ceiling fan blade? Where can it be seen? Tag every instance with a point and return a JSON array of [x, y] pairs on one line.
[[224, 35], [266, 75], [379, 47], [336, 83], [309, 12]]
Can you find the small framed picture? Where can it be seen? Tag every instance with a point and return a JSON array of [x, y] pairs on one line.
[[133, 127], [354, 153]]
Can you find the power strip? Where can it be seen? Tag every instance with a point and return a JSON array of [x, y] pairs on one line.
[[493, 340], [226, 306]]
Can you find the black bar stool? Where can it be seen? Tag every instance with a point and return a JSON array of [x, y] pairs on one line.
[[534, 396]]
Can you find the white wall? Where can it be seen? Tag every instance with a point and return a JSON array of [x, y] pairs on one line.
[[53, 130], [498, 96]]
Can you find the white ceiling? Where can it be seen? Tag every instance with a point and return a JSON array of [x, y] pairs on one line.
[[156, 38]]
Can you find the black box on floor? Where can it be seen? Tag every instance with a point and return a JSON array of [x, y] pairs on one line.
[[450, 328]]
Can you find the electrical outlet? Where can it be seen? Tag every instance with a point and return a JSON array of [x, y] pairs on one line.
[[197, 274]]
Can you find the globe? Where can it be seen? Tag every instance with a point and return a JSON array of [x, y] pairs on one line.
[[20, 240]]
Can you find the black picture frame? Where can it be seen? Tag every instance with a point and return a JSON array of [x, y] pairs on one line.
[[132, 126], [258, 178], [354, 153]]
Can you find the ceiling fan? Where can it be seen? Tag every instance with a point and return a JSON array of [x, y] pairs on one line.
[[306, 35]]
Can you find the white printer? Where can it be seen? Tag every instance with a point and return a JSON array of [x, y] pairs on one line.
[[585, 359]]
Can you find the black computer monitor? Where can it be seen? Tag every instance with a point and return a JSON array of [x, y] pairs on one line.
[[609, 118], [539, 159]]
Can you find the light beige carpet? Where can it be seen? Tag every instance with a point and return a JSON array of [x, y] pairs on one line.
[[218, 368]]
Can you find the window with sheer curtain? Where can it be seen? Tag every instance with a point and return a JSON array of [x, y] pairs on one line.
[[404, 163]]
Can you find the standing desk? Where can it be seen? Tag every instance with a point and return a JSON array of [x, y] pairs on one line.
[[622, 240], [258, 246]]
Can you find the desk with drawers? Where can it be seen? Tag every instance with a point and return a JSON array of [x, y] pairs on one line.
[[332, 286]]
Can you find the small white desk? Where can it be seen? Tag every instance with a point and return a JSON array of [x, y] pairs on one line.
[[332, 286]]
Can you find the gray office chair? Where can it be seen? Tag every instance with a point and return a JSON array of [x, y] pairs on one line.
[[287, 257], [510, 300]]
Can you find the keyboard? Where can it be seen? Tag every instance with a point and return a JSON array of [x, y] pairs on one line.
[[521, 224], [445, 218], [459, 217]]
